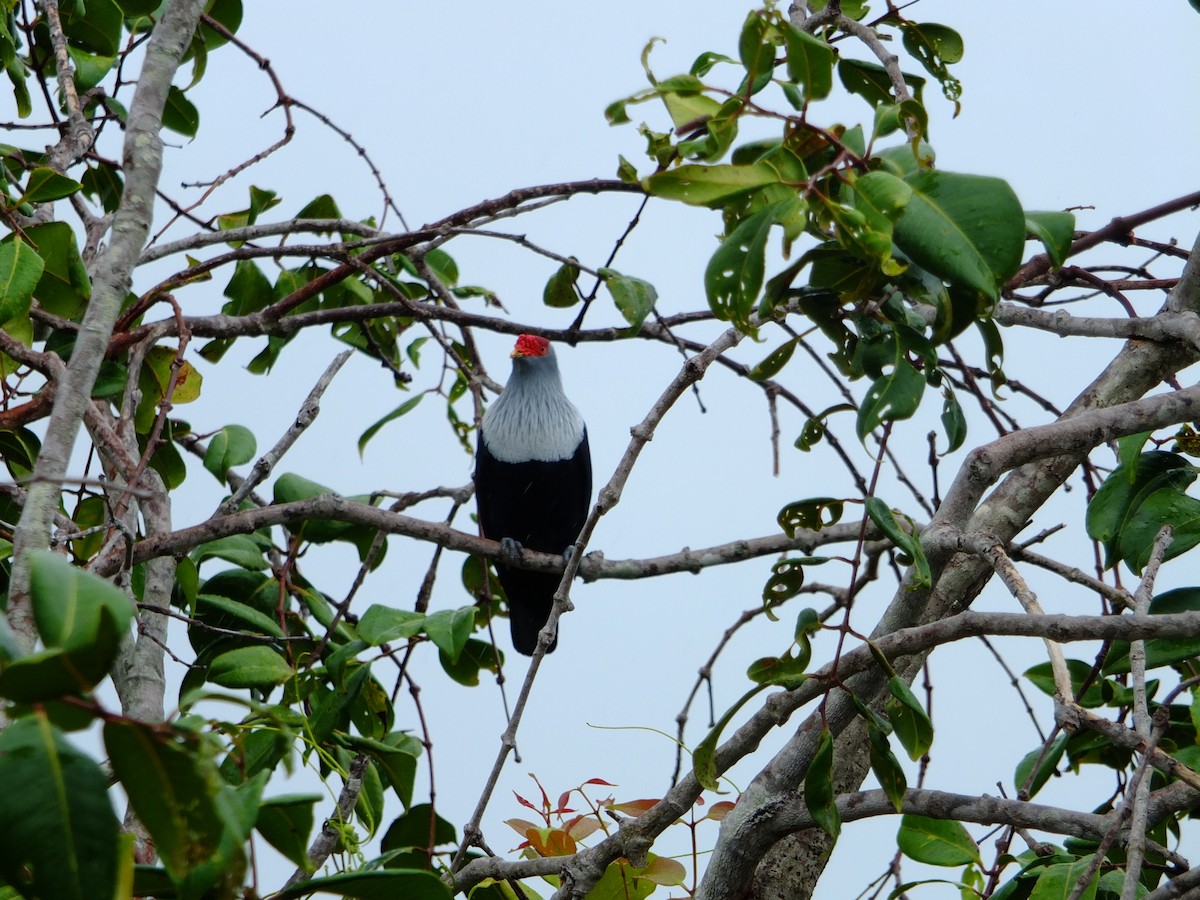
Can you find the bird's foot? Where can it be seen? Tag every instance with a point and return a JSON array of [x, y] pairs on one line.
[[510, 549], [569, 553]]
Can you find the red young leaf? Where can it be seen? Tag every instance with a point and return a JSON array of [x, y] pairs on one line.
[[524, 802], [632, 807], [720, 810], [562, 802], [582, 826], [600, 781]]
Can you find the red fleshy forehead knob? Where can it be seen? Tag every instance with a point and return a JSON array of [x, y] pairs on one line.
[[531, 345]]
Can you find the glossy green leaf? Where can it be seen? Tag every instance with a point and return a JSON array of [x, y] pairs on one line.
[[560, 291], [787, 671], [64, 287], [953, 420], [1056, 231], [787, 578], [756, 50], [886, 767], [239, 549], [403, 409], [893, 396], [909, 719], [774, 362], [910, 543], [286, 822], [1057, 882], [57, 824], [105, 183], [173, 790], [734, 275], [396, 759], [291, 488], [809, 62], [872, 82], [1166, 506], [372, 884], [95, 25], [704, 756], [449, 629], [819, 795], [249, 290], [1038, 765], [232, 446], [1097, 693], [180, 114], [20, 271], [709, 185], [70, 604], [383, 624], [634, 298], [477, 656], [45, 184], [813, 514], [967, 229], [1161, 651], [1125, 488], [936, 842], [258, 666]]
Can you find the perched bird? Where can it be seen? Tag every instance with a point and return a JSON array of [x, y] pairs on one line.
[[533, 481]]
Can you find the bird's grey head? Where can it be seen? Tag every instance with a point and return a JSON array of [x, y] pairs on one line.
[[533, 419]]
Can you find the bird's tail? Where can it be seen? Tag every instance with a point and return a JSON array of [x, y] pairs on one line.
[[530, 599]]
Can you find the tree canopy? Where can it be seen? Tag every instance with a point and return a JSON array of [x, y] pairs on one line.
[[230, 658]]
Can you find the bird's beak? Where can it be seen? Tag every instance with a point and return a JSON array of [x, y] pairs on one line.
[[516, 354]]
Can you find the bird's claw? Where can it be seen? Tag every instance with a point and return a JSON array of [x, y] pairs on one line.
[[510, 549], [569, 553]]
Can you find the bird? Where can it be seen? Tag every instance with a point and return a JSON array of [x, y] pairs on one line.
[[533, 482]]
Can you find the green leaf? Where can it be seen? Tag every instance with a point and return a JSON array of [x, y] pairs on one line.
[[258, 666], [57, 825], [704, 756], [292, 488], [20, 271], [45, 185], [1042, 676], [239, 549], [64, 288], [734, 274], [95, 25], [1058, 881], [449, 629], [1049, 757], [560, 291], [232, 446], [775, 361], [1161, 651], [180, 114], [936, 842], [953, 420], [709, 185], [70, 604], [893, 396], [909, 719], [787, 578], [383, 624], [886, 767], [872, 82], [1056, 231], [1166, 506], [477, 656], [634, 297], [881, 514], [809, 62], [286, 822], [1123, 491], [374, 884], [403, 409], [819, 795], [173, 790], [813, 514], [967, 229]]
